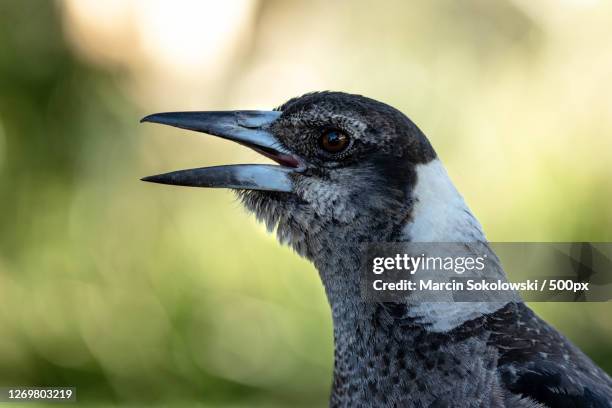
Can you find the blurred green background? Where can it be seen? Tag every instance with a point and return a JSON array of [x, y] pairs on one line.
[[141, 294]]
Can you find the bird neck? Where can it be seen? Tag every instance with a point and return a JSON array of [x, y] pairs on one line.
[[438, 214], [380, 345]]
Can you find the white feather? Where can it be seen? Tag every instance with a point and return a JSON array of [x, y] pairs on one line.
[[441, 215]]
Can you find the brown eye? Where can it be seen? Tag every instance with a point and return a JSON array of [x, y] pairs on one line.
[[334, 141]]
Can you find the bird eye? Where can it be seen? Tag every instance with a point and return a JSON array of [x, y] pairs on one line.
[[334, 141]]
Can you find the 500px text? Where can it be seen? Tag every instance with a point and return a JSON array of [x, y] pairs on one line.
[[481, 285]]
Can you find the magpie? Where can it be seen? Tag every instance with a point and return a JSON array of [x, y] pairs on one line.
[[352, 170]]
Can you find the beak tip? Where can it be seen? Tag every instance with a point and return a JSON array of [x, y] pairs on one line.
[[147, 118], [149, 179], [165, 178]]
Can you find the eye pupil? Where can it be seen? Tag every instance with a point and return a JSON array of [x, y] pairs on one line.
[[334, 141], [333, 138]]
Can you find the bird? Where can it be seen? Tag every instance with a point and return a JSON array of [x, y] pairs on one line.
[[351, 170]]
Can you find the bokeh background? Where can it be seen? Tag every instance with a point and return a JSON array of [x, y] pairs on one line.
[[142, 294]]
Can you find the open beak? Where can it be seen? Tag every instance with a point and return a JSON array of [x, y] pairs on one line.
[[249, 128]]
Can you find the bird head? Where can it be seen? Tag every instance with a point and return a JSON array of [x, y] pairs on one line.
[[345, 167]]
